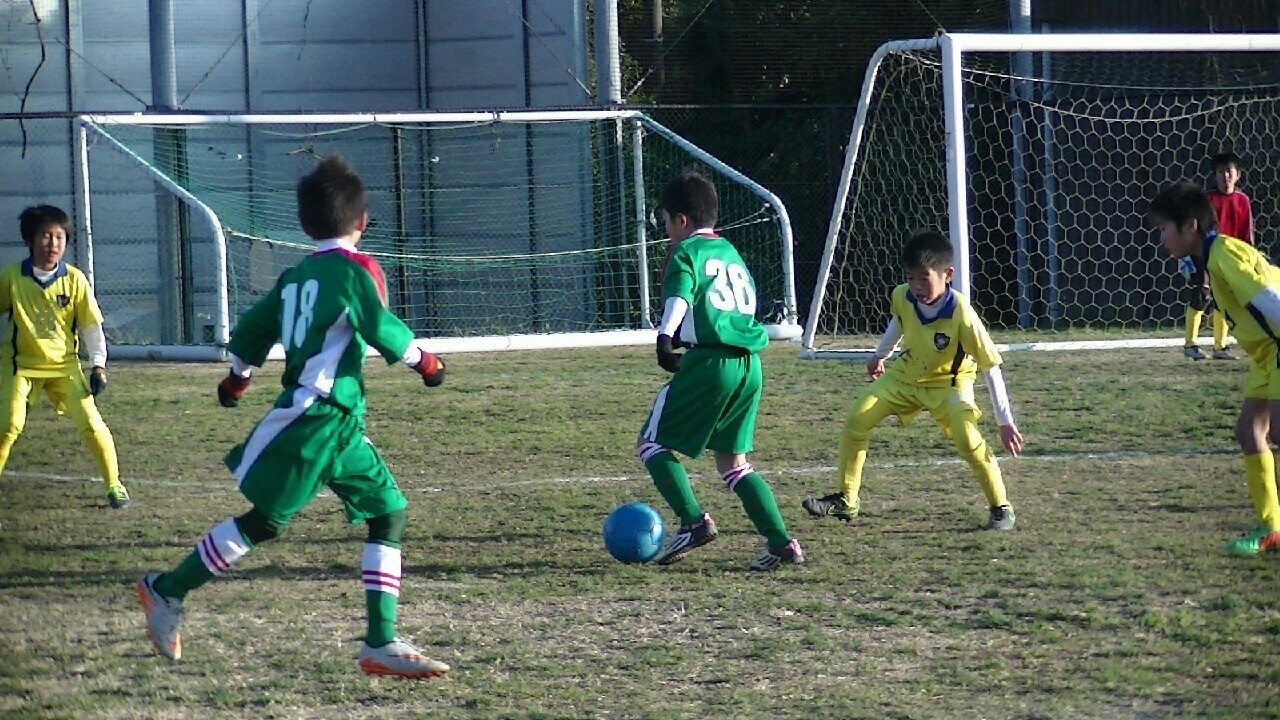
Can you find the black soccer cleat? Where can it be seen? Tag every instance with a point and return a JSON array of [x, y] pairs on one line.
[[832, 505]]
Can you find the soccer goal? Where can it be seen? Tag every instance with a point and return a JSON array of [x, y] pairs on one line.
[[1036, 153], [496, 230]]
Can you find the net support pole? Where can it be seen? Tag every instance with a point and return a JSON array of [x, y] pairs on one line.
[[1053, 232], [1020, 66], [169, 225], [642, 245], [957, 175], [222, 323], [82, 202]]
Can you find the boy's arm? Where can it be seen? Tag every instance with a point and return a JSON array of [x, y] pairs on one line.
[[255, 333], [1248, 220], [889, 340], [677, 291], [89, 324], [385, 332]]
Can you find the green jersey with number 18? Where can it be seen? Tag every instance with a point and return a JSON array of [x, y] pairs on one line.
[[707, 272], [325, 311]]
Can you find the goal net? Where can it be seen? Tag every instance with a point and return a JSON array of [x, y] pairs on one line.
[[1037, 154], [496, 230]]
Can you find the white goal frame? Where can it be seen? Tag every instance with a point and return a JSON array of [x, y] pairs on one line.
[[632, 125], [951, 49]]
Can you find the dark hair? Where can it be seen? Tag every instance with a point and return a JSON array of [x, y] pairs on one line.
[[1226, 159], [38, 217], [1183, 201], [927, 249], [331, 199], [691, 194]]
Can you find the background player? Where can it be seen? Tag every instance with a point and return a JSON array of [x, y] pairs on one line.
[[944, 345], [323, 311], [1235, 219], [49, 303]]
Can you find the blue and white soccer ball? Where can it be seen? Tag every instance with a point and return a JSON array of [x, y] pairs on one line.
[[633, 533]]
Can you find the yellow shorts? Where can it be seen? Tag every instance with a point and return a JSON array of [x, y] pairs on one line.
[[1263, 382], [69, 395], [943, 403]]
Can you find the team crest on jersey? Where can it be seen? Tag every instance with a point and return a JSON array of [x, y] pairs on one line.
[[941, 341], [64, 300]]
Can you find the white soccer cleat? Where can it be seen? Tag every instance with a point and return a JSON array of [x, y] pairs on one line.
[[400, 659], [164, 615], [789, 554]]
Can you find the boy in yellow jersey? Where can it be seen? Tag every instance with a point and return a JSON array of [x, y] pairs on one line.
[[49, 302], [1246, 288], [945, 344]]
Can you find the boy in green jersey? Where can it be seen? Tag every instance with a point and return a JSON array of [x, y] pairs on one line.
[[712, 399], [325, 312]]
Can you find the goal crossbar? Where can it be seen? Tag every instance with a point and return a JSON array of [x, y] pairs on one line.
[[950, 48]]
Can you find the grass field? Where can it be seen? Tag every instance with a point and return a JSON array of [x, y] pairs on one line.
[[1112, 598]]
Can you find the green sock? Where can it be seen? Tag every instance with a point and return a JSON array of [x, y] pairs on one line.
[[189, 575], [757, 500], [673, 484], [381, 609]]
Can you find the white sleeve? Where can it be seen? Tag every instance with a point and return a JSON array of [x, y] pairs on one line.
[[239, 367], [672, 314], [95, 344], [999, 396], [412, 356], [1267, 302], [889, 340]]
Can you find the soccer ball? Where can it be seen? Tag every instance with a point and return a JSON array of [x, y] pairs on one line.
[[633, 533]]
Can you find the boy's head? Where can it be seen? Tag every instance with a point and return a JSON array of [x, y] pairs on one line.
[[1183, 215], [926, 258], [689, 203], [44, 230], [331, 201], [1227, 171]]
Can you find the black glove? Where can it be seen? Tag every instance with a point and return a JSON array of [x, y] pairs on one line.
[[1199, 297], [667, 357], [97, 381], [231, 389]]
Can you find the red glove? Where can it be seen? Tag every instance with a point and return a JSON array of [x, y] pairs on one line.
[[231, 389], [431, 368]]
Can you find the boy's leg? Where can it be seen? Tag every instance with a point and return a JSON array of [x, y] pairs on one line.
[[71, 395], [867, 412], [959, 417], [1257, 418], [15, 393], [279, 469], [670, 479], [1220, 350], [369, 494], [1190, 347]]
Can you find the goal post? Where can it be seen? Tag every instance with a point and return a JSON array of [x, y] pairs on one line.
[[496, 230], [1036, 154]]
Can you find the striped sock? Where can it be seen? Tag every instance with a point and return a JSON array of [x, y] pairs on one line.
[[380, 573], [215, 553]]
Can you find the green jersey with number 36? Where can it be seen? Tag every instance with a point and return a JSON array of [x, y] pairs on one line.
[[325, 311], [709, 274]]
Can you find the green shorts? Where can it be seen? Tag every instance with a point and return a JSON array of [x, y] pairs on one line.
[[297, 451], [710, 404]]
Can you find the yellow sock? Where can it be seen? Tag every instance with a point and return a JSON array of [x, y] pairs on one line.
[[1193, 325], [103, 448], [975, 451], [1219, 331], [1260, 476], [853, 455]]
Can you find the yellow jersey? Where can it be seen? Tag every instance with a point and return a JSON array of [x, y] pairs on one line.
[[943, 351], [40, 340], [1237, 273]]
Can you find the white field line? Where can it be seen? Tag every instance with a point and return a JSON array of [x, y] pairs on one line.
[[1114, 456]]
